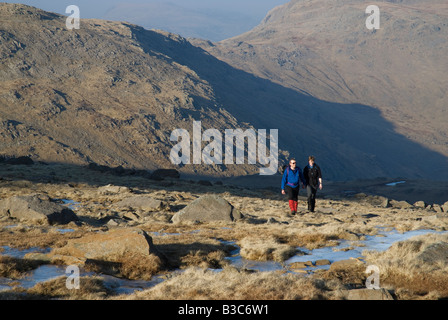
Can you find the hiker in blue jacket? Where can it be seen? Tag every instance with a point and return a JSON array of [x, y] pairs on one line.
[[292, 177]]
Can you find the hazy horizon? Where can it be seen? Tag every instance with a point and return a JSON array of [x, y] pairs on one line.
[[207, 19]]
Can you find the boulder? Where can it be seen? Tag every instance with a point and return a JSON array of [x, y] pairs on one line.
[[208, 208], [141, 202], [400, 204], [33, 209], [445, 207], [322, 262], [368, 294], [434, 254], [114, 246], [420, 204]]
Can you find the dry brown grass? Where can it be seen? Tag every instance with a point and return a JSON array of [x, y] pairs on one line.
[[26, 236], [265, 249], [231, 283], [413, 268], [196, 247], [128, 266], [15, 268], [91, 288]]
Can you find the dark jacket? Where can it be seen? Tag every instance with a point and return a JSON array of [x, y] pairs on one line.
[[292, 178], [312, 175]]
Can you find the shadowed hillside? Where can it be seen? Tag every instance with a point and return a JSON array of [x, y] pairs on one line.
[[323, 49], [111, 93]]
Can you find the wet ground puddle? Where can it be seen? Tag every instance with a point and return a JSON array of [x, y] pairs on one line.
[[345, 250]]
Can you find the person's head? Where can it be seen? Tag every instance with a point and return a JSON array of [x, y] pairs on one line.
[[292, 163], [311, 160]]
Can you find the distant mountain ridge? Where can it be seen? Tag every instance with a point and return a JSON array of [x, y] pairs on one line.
[[323, 48], [111, 93]]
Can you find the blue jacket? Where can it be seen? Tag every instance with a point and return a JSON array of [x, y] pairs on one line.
[[292, 178]]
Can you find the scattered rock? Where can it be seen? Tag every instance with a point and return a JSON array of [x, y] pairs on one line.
[[208, 208], [34, 209], [301, 265], [322, 262], [437, 208], [111, 189]]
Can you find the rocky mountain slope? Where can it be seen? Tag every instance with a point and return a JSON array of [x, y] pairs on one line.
[[323, 49], [112, 93], [96, 94]]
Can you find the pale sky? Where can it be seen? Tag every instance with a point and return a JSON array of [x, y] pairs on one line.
[[208, 19]]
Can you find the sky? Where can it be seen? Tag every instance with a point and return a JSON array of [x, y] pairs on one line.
[[213, 20]]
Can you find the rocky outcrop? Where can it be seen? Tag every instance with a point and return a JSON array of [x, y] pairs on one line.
[[34, 209], [208, 208]]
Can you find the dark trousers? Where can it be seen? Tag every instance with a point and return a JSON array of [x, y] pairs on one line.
[[311, 197], [293, 193]]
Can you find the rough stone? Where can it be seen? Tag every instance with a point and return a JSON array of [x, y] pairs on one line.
[[434, 254], [208, 208], [114, 246], [434, 218], [369, 294], [445, 207], [400, 204], [420, 204], [301, 265], [34, 209], [111, 189], [322, 262]]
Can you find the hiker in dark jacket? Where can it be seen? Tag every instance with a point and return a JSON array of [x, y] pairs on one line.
[[313, 181], [292, 177]]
